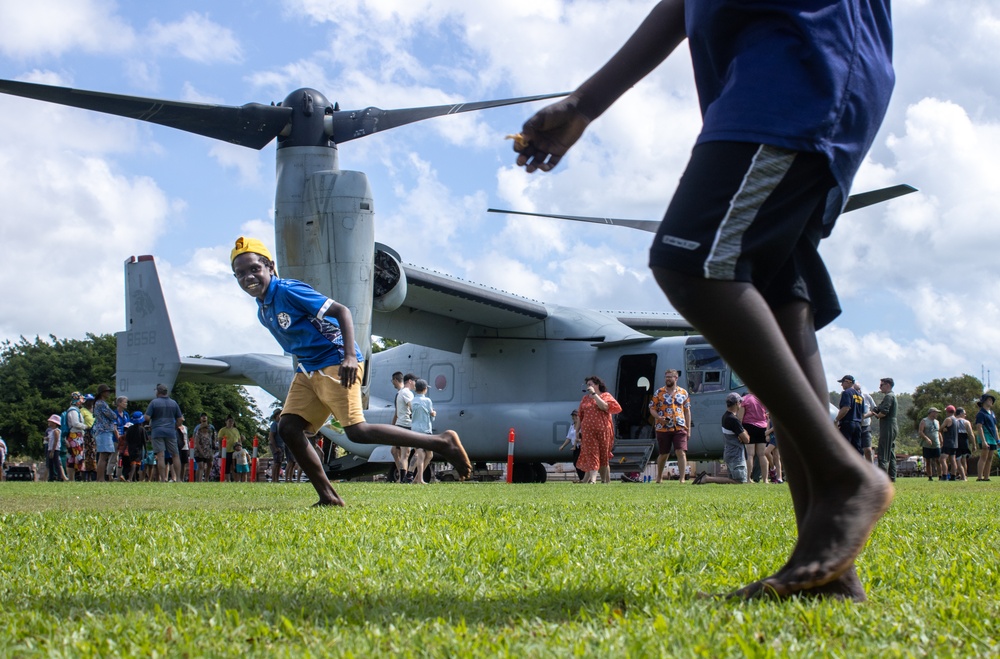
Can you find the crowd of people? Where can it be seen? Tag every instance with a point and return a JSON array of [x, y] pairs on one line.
[[91, 441], [750, 442]]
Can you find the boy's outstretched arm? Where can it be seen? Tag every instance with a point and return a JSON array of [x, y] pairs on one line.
[[549, 134]]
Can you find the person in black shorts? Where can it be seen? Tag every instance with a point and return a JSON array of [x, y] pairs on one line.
[[792, 95]]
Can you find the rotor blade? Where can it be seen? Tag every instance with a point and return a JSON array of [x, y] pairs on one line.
[[352, 124], [862, 199], [854, 202], [643, 225], [252, 125]]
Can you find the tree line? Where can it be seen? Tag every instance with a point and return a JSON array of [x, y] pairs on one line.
[[37, 376]]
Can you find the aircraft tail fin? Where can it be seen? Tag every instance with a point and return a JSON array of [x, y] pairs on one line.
[[147, 352]]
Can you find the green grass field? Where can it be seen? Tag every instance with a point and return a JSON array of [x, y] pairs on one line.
[[477, 569]]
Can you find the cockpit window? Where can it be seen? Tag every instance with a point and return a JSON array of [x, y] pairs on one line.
[[705, 370], [735, 381]]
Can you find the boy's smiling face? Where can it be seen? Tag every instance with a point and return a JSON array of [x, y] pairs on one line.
[[252, 273]]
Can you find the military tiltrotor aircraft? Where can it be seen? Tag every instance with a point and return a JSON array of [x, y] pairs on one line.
[[495, 361]]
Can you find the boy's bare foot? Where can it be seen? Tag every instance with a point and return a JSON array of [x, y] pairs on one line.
[[846, 587], [832, 535], [455, 454], [328, 497]]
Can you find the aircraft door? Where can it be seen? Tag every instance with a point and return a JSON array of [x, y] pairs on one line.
[[634, 388]]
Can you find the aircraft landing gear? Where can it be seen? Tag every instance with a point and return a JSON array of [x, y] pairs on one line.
[[530, 472]]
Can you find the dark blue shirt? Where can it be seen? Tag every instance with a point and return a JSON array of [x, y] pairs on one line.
[[806, 75], [988, 422], [294, 314], [853, 400]]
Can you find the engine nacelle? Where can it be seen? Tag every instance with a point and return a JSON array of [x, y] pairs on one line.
[[389, 288]]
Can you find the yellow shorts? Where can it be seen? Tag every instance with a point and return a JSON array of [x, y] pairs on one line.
[[315, 396]]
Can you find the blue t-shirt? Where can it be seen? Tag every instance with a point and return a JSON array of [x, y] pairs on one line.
[[293, 312], [852, 399], [422, 408], [163, 414], [989, 423], [806, 75]]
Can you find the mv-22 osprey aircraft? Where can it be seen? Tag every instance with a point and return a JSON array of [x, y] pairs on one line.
[[494, 360]]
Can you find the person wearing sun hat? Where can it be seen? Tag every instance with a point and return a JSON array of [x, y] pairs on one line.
[[319, 332], [52, 442], [986, 430]]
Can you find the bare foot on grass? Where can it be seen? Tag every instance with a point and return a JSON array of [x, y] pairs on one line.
[[335, 500], [837, 525], [455, 454], [846, 587]]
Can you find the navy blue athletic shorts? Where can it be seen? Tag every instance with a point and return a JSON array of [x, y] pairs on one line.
[[752, 213]]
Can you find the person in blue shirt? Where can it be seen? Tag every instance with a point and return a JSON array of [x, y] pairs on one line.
[[320, 333], [792, 95], [986, 430], [423, 421]]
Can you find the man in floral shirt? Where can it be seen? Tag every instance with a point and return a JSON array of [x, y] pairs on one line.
[[671, 408]]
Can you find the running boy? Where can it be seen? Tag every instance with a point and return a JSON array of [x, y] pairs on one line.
[[792, 95], [317, 330]]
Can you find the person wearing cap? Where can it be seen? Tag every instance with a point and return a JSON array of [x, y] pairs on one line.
[[53, 440], [104, 431], [136, 438], [986, 430], [887, 428], [74, 440], [949, 444], [850, 413], [319, 332], [735, 439], [165, 418], [929, 431]]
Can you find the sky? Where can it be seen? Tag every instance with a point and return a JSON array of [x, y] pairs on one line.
[[82, 191]]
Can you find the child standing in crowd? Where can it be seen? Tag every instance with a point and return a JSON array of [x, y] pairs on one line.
[[135, 442], [422, 421], [53, 441], [242, 463], [149, 464]]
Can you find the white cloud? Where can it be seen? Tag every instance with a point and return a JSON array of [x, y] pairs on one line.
[[53, 27], [875, 355], [195, 37]]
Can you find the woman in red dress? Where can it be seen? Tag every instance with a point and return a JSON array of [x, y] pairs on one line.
[[596, 430]]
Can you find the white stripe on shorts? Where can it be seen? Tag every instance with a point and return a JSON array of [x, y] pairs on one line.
[[766, 170]]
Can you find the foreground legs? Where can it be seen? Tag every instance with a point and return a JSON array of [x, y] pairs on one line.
[[838, 498]]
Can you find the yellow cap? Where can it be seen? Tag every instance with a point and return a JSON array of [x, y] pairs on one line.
[[244, 245]]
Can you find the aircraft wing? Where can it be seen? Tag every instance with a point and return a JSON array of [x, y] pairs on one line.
[[440, 310], [657, 324]]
